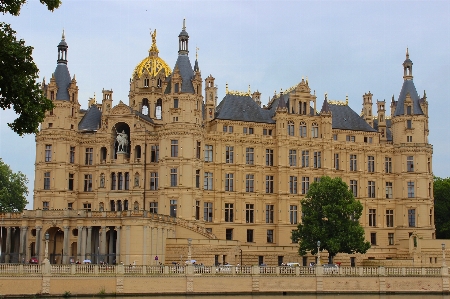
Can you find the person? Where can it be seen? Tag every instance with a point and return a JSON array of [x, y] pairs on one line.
[[78, 262]]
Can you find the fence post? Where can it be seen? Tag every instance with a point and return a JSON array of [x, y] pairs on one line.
[[73, 270]]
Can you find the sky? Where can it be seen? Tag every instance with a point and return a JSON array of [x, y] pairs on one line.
[[344, 48]]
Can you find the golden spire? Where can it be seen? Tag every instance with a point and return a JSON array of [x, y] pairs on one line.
[[196, 52], [346, 99], [153, 48]]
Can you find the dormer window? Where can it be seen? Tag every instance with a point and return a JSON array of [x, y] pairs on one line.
[[177, 87], [409, 124], [175, 103], [146, 82], [408, 110], [158, 83]]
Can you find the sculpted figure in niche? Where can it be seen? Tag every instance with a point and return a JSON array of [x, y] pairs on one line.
[[122, 140], [136, 180], [102, 180]]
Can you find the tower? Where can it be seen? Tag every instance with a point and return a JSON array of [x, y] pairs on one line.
[[211, 98], [367, 108]]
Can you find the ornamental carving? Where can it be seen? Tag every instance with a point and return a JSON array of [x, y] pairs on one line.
[[121, 109]]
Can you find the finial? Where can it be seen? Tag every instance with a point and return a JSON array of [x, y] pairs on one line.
[[407, 53], [249, 89], [346, 99], [303, 79], [63, 35], [196, 52], [326, 96], [153, 48], [306, 79], [424, 94], [184, 24], [226, 88], [281, 90]]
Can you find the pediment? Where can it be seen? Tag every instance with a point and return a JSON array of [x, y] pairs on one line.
[[121, 109]]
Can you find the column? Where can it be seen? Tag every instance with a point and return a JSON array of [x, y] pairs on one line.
[[127, 244], [79, 242], [103, 244], [22, 244], [144, 245], [8, 245], [83, 244], [111, 245], [37, 244], [118, 259], [65, 258], [88, 242]]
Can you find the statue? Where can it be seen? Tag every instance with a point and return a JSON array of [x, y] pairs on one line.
[[102, 180], [122, 140], [136, 180], [154, 37]]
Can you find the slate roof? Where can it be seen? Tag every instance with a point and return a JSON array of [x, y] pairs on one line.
[[91, 120], [143, 116], [63, 80], [344, 118], [408, 87], [242, 108], [184, 65]]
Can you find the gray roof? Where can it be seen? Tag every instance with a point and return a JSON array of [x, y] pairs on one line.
[[143, 116], [344, 118], [63, 80], [408, 87], [242, 108], [91, 120], [184, 65]]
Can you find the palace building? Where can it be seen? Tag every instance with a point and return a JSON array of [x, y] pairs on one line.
[[176, 172]]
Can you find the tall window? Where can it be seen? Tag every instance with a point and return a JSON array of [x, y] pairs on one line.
[[269, 213], [197, 178], [154, 157], [208, 153], [229, 154], [154, 207], [198, 150], [208, 211], [372, 217], [249, 155], [354, 187], [373, 238], [46, 180], [302, 129], [269, 157], [290, 128], [174, 148], [410, 163], [353, 163], [370, 163], [229, 182], [48, 153], [293, 214], [208, 181], [410, 189], [127, 181], [88, 182], [173, 177], [249, 212], [70, 181], [113, 181], [229, 234], [175, 103], [412, 217], [388, 164], [120, 184], [388, 189], [72, 154], [89, 156], [197, 210], [249, 235], [409, 124], [371, 189], [292, 157], [390, 238], [389, 218], [229, 212], [269, 183], [315, 130], [293, 185], [317, 159], [305, 158], [249, 182], [153, 181], [336, 161], [173, 208], [305, 184], [270, 236]]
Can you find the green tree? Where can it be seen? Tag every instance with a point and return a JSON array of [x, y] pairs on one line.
[[442, 207], [18, 74], [330, 215], [13, 189]]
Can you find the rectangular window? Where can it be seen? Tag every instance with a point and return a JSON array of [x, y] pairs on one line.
[[368, 139], [173, 177], [127, 181], [71, 181], [48, 153], [153, 181], [174, 148], [154, 207], [390, 238], [292, 157], [373, 238], [267, 131], [410, 163], [269, 157], [371, 189], [293, 214], [336, 161], [409, 124], [244, 130], [229, 234], [371, 164], [389, 190], [354, 187], [408, 138], [87, 206], [72, 154], [208, 211], [350, 138], [89, 156], [197, 210], [113, 181], [154, 157], [293, 185], [225, 129], [230, 129], [229, 182], [198, 150], [290, 128], [208, 153], [249, 182], [305, 184], [269, 213], [249, 235], [249, 155], [197, 178], [410, 189], [353, 163], [302, 132], [173, 208], [175, 103], [317, 159], [412, 217], [388, 164], [229, 212], [305, 158], [229, 154], [372, 217], [120, 185], [45, 205], [269, 183], [46, 180], [314, 131], [70, 205], [250, 130], [249, 212], [208, 181], [270, 236], [88, 182], [389, 218]]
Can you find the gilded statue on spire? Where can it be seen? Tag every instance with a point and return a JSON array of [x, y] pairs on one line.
[[153, 49]]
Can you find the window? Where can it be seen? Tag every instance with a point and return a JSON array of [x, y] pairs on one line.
[[353, 163], [48, 153], [368, 139], [371, 189], [269, 183], [153, 181], [127, 181], [317, 159], [197, 178], [247, 130], [229, 212], [302, 131], [270, 236], [269, 157], [45, 205], [370, 163], [230, 129], [293, 185], [292, 157], [154, 153], [350, 138], [197, 210], [173, 208], [198, 150], [71, 181], [267, 131], [408, 110], [89, 156], [269, 213], [87, 206], [50, 125], [174, 148], [112, 205], [293, 214], [390, 238], [412, 217], [388, 164], [409, 124], [88, 182], [249, 212], [410, 189], [146, 82], [315, 130], [388, 189], [373, 238], [229, 177], [229, 234], [249, 155], [154, 207], [305, 158], [305, 184], [113, 181], [354, 187], [208, 181], [336, 161], [250, 130], [408, 138], [290, 128], [249, 235], [46, 180], [175, 103], [173, 177], [249, 182], [120, 184], [208, 153], [70, 205], [229, 154], [372, 217], [208, 211], [72, 154], [335, 137], [389, 218], [410, 163]]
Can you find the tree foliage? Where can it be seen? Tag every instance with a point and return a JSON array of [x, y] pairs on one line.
[[330, 215], [18, 74], [442, 207], [13, 189]]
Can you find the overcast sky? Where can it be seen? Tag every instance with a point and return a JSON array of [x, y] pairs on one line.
[[343, 47]]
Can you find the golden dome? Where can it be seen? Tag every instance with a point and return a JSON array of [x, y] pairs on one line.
[[152, 64]]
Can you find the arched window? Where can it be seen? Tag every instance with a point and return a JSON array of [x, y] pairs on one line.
[[315, 130], [136, 206], [137, 151], [158, 109], [103, 153], [125, 205], [146, 82], [290, 128], [302, 132], [145, 109]]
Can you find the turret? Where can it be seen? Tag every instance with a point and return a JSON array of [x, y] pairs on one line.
[[210, 98], [367, 108], [381, 112]]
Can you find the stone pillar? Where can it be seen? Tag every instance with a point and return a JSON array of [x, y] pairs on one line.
[[88, 242], [103, 244], [37, 245], [118, 259], [127, 244], [65, 258], [144, 247], [79, 242], [23, 244], [111, 245], [83, 244], [8, 245]]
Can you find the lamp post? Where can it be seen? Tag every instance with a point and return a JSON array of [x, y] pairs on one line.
[[318, 253], [443, 255], [47, 238], [240, 250]]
